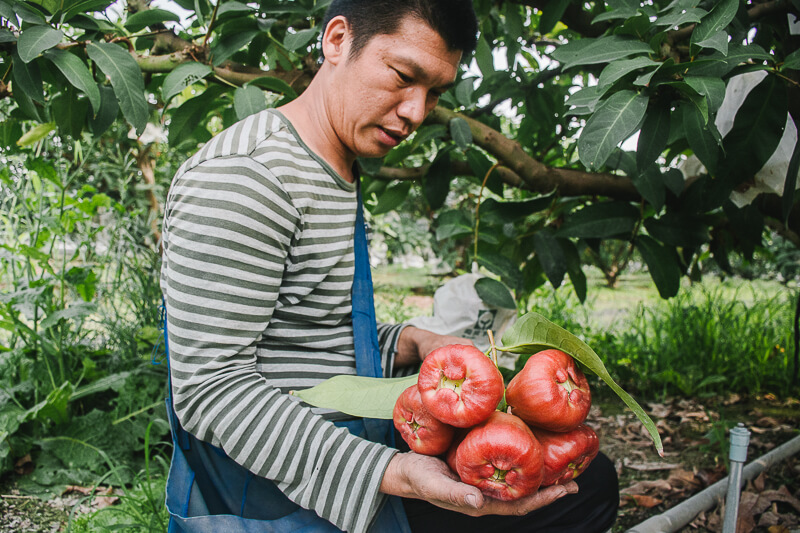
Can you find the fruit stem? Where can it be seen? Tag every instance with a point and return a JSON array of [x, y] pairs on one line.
[[493, 347]]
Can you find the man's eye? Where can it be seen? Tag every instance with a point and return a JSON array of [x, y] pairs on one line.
[[403, 77]]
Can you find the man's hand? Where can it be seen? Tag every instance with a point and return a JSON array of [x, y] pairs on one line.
[[411, 475], [415, 344]]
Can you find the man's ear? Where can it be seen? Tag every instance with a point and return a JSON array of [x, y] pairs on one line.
[[336, 40]]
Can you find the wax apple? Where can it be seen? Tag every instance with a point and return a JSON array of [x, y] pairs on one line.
[[566, 455], [459, 385], [501, 457], [422, 432], [550, 392]]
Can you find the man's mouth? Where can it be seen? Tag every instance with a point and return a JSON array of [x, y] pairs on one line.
[[392, 137]]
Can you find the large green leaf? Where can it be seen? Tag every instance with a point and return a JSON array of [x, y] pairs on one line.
[[35, 40], [436, 184], [600, 221], [248, 101], [77, 73], [69, 112], [142, 19], [613, 122], [662, 264], [126, 79], [36, 134], [27, 78], [593, 51], [574, 270], [679, 17], [295, 41], [275, 85], [532, 333], [189, 114], [618, 69], [550, 255], [619, 9], [654, 134], [394, 195], [679, 229], [494, 293], [460, 132], [493, 211], [701, 140], [182, 76], [650, 184], [792, 61], [716, 21], [357, 395], [792, 175], [551, 14], [109, 109], [757, 129], [712, 88], [229, 45]]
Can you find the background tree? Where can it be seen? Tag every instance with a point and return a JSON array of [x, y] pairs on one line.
[[535, 122]]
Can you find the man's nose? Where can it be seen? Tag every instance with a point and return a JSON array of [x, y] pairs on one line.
[[413, 107]]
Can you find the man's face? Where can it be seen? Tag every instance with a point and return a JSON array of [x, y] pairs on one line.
[[385, 93]]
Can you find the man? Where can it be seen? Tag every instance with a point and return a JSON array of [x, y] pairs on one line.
[[257, 274]]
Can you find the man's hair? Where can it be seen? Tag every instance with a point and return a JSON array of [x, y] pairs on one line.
[[454, 20]]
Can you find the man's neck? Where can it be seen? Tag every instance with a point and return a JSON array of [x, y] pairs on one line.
[[313, 123]]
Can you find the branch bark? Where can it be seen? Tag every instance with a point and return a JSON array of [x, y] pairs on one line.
[[536, 176]]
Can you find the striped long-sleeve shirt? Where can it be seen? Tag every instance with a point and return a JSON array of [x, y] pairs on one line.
[[257, 271]]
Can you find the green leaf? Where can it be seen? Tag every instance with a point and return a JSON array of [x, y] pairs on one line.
[[587, 97], [532, 333], [620, 9], [493, 211], [109, 109], [143, 19], [295, 41], [460, 132], [75, 311], [716, 41], [792, 61], [183, 76], [613, 122], [679, 229], [394, 195], [189, 114], [501, 266], [27, 78], [69, 112], [650, 185], [126, 79], [716, 21], [6, 36], [494, 293], [653, 135], [712, 88], [36, 134], [790, 185], [679, 17], [357, 395], [550, 255], [484, 57], [35, 40], [598, 50], [718, 64], [453, 223], [77, 74], [229, 45], [757, 128], [618, 69], [551, 14], [701, 141], [437, 181], [576, 275], [662, 264], [464, 91], [601, 220], [274, 85], [248, 101]]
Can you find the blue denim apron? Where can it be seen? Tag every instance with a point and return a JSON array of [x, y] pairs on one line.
[[196, 512]]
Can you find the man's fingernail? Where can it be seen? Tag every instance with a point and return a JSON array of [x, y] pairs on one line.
[[471, 500]]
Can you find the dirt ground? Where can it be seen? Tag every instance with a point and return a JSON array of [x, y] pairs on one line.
[[694, 433]]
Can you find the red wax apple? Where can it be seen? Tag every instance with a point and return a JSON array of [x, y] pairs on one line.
[[501, 457], [550, 392], [459, 385], [422, 432], [566, 455]]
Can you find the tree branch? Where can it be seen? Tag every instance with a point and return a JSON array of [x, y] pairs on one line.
[[535, 175]]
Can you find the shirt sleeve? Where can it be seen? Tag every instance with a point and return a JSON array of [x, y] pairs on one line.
[[228, 229]]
